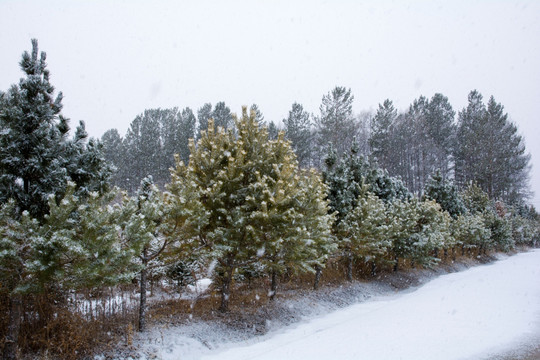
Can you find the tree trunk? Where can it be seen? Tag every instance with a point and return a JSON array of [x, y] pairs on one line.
[[142, 304], [151, 286], [462, 250], [318, 273], [445, 254], [226, 291], [396, 263], [273, 285], [12, 337], [349, 267], [373, 268]]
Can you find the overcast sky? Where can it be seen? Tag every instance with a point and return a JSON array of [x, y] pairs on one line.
[[114, 59]]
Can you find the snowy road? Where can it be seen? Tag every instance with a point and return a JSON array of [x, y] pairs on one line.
[[464, 315]]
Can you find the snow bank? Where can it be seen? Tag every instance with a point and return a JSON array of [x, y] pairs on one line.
[[470, 314]]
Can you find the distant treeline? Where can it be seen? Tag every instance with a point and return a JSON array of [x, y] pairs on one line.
[[482, 145]]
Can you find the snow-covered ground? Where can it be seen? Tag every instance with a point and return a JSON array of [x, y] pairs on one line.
[[472, 314]]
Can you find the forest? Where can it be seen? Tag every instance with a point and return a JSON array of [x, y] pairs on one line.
[[91, 227]]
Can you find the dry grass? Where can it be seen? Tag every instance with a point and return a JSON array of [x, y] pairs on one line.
[[51, 330]]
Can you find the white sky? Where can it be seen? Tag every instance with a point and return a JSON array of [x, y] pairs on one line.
[[114, 59]]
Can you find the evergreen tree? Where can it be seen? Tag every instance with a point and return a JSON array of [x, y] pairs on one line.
[[36, 156], [433, 232], [422, 141], [475, 199], [298, 131], [247, 187], [491, 152], [204, 114], [75, 246], [259, 117], [364, 231], [223, 117], [441, 130], [381, 133], [445, 194], [152, 140], [336, 124], [273, 131], [176, 130], [170, 133], [418, 231], [469, 147], [318, 223], [470, 232], [187, 131], [115, 154], [404, 218], [143, 148]]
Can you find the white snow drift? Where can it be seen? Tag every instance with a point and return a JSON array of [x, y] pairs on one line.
[[469, 314]]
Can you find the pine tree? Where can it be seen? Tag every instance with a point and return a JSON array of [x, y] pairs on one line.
[[143, 148], [247, 187], [381, 133], [319, 240], [433, 233], [186, 132], [404, 218], [298, 131], [222, 116], [36, 156], [469, 148], [475, 199], [364, 231], [75, 246], [445, 194], [441, 130], [273, 131], [421, 141], [418, 231], [204, 114], [41, 171], [491, 152], [259, 117], [336, 124], [115, 154]]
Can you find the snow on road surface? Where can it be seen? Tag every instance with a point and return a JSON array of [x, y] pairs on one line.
[[465, 315]]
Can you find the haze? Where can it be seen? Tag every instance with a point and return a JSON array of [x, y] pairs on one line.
[[114, 59]]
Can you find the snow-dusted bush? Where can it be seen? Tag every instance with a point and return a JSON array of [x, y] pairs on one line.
[[470, 232]]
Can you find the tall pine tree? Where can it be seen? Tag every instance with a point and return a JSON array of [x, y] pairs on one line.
[[36, 156]]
